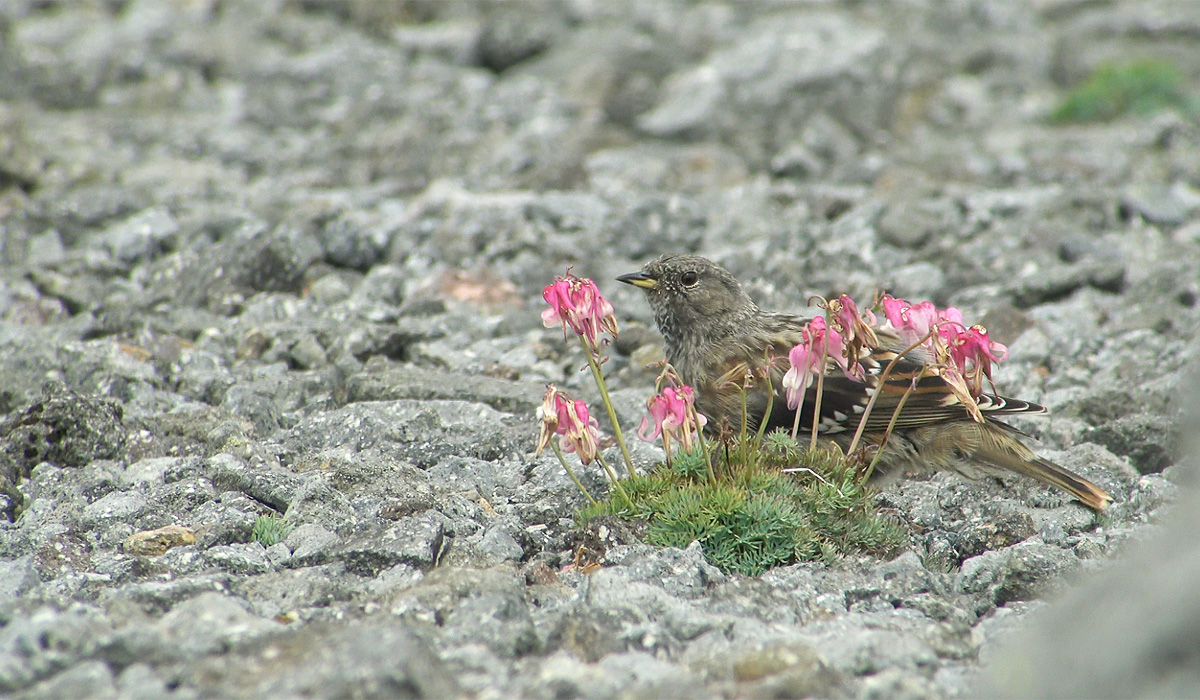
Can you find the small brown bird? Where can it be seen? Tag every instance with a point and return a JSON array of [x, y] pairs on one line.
[[715, 335]]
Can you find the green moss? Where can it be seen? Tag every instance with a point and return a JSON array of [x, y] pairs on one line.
[[270, 529], [756, 516], [1115, 89]]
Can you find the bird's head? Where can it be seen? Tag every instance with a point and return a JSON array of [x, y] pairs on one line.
[[688, 291]]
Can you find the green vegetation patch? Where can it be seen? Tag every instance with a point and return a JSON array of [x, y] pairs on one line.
[[270, 529], [755, 515], [1115, 89]]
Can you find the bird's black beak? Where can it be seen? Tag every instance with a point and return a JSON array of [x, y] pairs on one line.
[[639, 279]]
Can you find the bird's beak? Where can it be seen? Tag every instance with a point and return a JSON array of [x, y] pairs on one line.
[[639, 279]]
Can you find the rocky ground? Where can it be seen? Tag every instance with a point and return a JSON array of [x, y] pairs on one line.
[[285, 257]]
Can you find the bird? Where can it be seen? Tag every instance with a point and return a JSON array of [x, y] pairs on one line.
[[715, 336]]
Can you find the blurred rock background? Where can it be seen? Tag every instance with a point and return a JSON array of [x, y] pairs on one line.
[[284, 258]]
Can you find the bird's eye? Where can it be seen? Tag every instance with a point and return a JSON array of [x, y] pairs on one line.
[[690, 278]]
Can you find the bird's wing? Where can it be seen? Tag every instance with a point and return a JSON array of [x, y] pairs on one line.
[[930, 399]]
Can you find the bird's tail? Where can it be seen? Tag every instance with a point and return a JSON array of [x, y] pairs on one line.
[[1049, 473]]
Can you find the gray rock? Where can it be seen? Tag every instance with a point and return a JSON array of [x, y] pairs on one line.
[[417, 540], [510, 38], [473, 605], [118, 507], [330, 289], [64, 428], [246, 559], [354, 240], [688, 105], [1149, 441], [491, 480], [311, 544], [381, 658], [43, 643], [1151, 612], [1154, 204], [498, 546], [17, 578], [156, 471], [390, 382], [160, 596], [139, 682], [909, 225], [90, 679], [307, 353], [141, 236], [45, 249], [208, 623], [1023, 571]]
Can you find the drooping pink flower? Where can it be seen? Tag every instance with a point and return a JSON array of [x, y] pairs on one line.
[[964, 355], [852, 323], [580, 432], [672, 412], [856, 332], [973, 352], [914, 321], [547, 415], [560, 415], [799, 376], [576, 303], [817, 341]]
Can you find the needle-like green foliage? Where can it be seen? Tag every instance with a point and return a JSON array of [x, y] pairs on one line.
[[1135, 87], [756, 515], [270, 529]]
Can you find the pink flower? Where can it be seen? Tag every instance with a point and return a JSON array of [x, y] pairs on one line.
[[796, 380], [973, 352], [964, 355], [856, 331], [570, 419], [576, 303], [852, 324], [913, 321], [580, 432], [673, 412], [818, 341]]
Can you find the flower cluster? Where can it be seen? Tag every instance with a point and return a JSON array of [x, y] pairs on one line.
[[840, 342], [560, 415], [965, 354], [962, 356], [808, 359], [577, 304], [856, 328], [674, 416]]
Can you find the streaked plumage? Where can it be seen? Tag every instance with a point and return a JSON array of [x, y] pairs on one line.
[[715, 335]]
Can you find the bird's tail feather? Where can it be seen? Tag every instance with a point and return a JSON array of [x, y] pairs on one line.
[[1050, 473]]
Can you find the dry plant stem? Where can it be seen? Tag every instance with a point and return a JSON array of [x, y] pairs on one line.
[[667, 449], [812, 444], [608, 405], [762, 424], [571, 472], [796, 420], [883, 377], [743, 443], [891, 425], [712, 476], [612, 475]]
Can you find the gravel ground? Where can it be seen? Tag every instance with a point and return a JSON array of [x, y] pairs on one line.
[[285, 257]]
